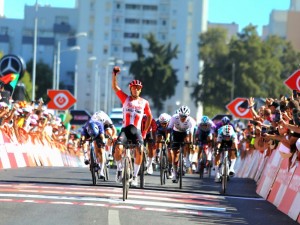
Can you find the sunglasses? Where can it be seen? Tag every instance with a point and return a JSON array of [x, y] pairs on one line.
[[137, 87], [183, 117]]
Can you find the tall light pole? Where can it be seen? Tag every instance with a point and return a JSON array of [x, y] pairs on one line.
[[75, 85], [81, 34], [95, 80], [34, 52], [74, 48], [107, 78]]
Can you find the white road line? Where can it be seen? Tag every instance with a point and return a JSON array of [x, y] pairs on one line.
[[113, 217], [120, 201]]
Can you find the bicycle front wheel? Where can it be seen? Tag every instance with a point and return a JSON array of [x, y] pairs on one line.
[[142, 171], [125, 178], [163, 168], [180, 167], [93, 167], [224, 175]]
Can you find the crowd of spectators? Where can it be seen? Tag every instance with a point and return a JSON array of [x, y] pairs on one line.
[[276, 124], [20, 120]]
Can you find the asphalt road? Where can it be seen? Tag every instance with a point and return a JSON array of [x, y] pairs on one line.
[[67, 196]]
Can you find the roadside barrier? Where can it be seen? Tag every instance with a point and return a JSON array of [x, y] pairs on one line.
[[277, 178], [34, 151]]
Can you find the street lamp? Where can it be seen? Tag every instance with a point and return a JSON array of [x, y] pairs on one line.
[[95, 80], [74, 48]]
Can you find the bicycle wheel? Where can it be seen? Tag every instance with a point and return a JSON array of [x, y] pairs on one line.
[[224, 175], [142, 171], [209, 165], [106, 172], [163, 167], [201, 168], [180, 167], [125, 178], [93, 166]]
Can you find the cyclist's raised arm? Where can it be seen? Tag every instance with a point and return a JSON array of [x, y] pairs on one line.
[[114, 82]]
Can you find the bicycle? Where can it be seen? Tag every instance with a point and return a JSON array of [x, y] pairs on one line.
[[127, 170], [224, 167], [180, 166], [204, 161], [94, 166], [163, 162]]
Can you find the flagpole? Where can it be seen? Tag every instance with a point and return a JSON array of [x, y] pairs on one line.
[[34, 52]]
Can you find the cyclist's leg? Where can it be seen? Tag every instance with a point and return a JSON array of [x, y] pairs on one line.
[[232, 155], [217, 164], [100, 153], [151, 153], [194, 158], [186, 152], [118, 150]]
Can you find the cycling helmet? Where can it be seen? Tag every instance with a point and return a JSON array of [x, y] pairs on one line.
[[184, 111], [227, 130], [164, 118], [204, 120], [93, 129], [135, 83], [98, 116], [225, 120]]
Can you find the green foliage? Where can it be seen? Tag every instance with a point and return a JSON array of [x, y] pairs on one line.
[[154, 70], [258, 67], [28, 85], [43, 79]]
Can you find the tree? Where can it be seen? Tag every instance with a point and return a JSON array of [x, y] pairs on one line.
[[155, 68], [43, 78], [259, 67]]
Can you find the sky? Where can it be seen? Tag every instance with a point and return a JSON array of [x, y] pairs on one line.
[[242, 12]]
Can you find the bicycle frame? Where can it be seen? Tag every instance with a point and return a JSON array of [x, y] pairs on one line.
[[224, 168], [163, 162], [93, 162], [180, 161]]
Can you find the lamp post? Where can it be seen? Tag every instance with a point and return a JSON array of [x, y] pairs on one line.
[[81, 34], [34, 52], [95, 80], [74, 48]]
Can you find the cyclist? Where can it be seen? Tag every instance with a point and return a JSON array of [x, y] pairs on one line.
[[110, 129], [228, 137], [134, 107], [150, 142], [182, 127], [95, 130], [224, 121], [204, 135], [162, 126]]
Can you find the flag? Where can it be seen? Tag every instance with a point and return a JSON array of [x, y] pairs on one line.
[[11, 79]]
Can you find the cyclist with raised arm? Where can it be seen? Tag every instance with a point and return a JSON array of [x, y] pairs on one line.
[[182, 127], [110, 129], [161, 133], [226, 137], [204, 134], [134, 108], [95, 130], [150, 142]]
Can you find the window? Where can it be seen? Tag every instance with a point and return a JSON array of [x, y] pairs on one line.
[[132, 21], [133, 6], [131, 35], [150, 22], [127, 49], [150, 7], [61, 19]]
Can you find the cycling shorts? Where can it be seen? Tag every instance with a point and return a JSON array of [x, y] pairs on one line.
[[130, 133]]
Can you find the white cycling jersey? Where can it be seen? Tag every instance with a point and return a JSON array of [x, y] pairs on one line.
[[102, 117], [186, 126]]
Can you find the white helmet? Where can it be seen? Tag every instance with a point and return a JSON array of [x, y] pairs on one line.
[[184, 111], [227, 130], [164, 118], [98, 116]]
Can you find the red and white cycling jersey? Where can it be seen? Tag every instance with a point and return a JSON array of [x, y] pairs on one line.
[[186, 126], [133, 109]]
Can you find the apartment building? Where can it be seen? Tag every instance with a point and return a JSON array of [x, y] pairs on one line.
[[110, 25]]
